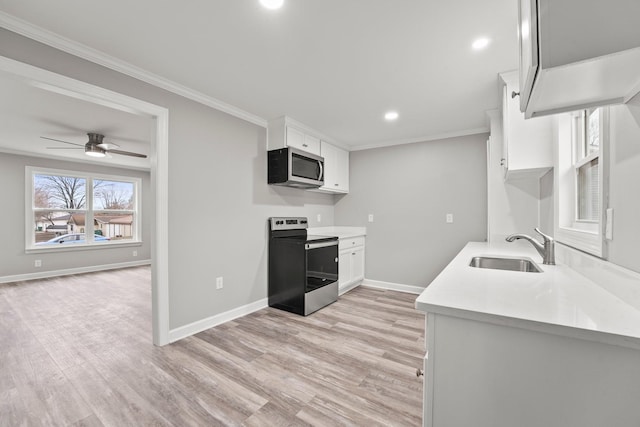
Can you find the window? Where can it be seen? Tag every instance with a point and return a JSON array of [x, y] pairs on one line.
[[69, 209], [580, 185]]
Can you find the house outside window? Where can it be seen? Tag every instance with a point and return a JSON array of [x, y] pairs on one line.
[[68, 209]]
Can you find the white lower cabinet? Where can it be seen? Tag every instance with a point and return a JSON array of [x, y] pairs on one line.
[[493, 374], [351, 263]]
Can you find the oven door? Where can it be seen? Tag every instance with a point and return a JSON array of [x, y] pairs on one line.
[[322, 264]]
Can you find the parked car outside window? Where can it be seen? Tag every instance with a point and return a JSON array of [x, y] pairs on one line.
[[72, 238]]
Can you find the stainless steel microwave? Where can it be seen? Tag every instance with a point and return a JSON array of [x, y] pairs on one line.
[[295, 168]]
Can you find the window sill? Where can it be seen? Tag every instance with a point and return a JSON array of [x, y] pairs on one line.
[[81, 247], [584, 240]]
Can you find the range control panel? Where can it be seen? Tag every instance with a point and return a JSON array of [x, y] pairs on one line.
[[284, 223]]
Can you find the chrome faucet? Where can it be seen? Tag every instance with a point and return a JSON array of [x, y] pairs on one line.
[[546, 249]]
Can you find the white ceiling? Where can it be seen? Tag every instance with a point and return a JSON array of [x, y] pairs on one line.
[[28, 112], [334, 65]]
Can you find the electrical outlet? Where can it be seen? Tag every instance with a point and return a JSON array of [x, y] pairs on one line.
[[37, 263], [135, 253], [219, 283], [449, 218], [370, 217], [319, 217]]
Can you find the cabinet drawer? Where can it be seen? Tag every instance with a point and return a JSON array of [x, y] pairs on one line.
[[351, 242]]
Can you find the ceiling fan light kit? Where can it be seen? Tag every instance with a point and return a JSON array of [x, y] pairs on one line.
[[93, 151], [96, 147]]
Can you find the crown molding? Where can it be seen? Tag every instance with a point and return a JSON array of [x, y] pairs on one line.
[[80, 50], [447, 135]]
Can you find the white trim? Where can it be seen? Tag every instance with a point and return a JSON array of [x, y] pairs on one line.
[[30, 244], [346, 288], [565, 186], [445, 135], [210, 322], [159, 173], [69, 271], [80, 50], [410, 289]]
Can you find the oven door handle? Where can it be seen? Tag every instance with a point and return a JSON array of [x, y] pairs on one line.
[[308, 246]]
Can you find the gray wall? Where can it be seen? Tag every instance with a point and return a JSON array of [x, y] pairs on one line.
[[624, 184], [14, 261], [409, 189], [219, 201]]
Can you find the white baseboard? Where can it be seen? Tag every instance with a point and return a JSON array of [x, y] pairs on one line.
[[393, 286], [349, 287], [69, 271], [204, 324]]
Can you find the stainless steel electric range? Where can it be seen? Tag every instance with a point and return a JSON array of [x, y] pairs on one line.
[[303, 269]]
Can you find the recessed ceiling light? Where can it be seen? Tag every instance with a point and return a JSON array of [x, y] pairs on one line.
[[272, 4], [391, 115], [480, 43]]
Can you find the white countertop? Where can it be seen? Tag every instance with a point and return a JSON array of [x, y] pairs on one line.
[[338, 231], [558, 300]]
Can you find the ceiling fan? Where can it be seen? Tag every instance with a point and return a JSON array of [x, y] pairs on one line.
[[95, 147]]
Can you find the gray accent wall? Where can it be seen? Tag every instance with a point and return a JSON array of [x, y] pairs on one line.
[[13, 259], [409, 189], [219, 200]]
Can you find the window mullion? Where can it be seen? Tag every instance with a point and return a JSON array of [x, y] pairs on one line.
[[89, 221]]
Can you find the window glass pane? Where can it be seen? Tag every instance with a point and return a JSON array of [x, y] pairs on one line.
[[51, 224], [114, 226], [113, 195], [588, 191], [56, 191], [593, 132]]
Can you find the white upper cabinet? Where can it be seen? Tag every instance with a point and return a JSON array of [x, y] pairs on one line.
[[336, 168], [285, 132], [576, 54], [527, 144]]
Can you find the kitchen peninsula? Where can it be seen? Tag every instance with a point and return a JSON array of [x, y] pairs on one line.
[[508, 348]]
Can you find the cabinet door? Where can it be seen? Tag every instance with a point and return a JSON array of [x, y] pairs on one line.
[[328, 152], [295, 138], [357, 264], [311, 144], [528, 38], [527, 143], [344, 268], [342, 170]]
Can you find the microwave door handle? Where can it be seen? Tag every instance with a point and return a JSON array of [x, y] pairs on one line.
[[321, 177]]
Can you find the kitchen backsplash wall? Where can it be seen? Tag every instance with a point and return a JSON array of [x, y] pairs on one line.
[[409, 190]]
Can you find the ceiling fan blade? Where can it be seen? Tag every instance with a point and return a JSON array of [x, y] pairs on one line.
[[127, 153], [64, 148], [59, 140]]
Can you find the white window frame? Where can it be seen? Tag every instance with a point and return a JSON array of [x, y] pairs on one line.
[[587, 236], [30, 245]]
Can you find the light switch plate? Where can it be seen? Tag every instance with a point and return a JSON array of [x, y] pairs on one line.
[[370, 217], [449, 218]]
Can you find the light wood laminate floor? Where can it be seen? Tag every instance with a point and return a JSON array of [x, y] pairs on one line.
[[76, 351]]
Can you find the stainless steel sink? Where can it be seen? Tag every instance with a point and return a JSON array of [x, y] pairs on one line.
[[499, 263]]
